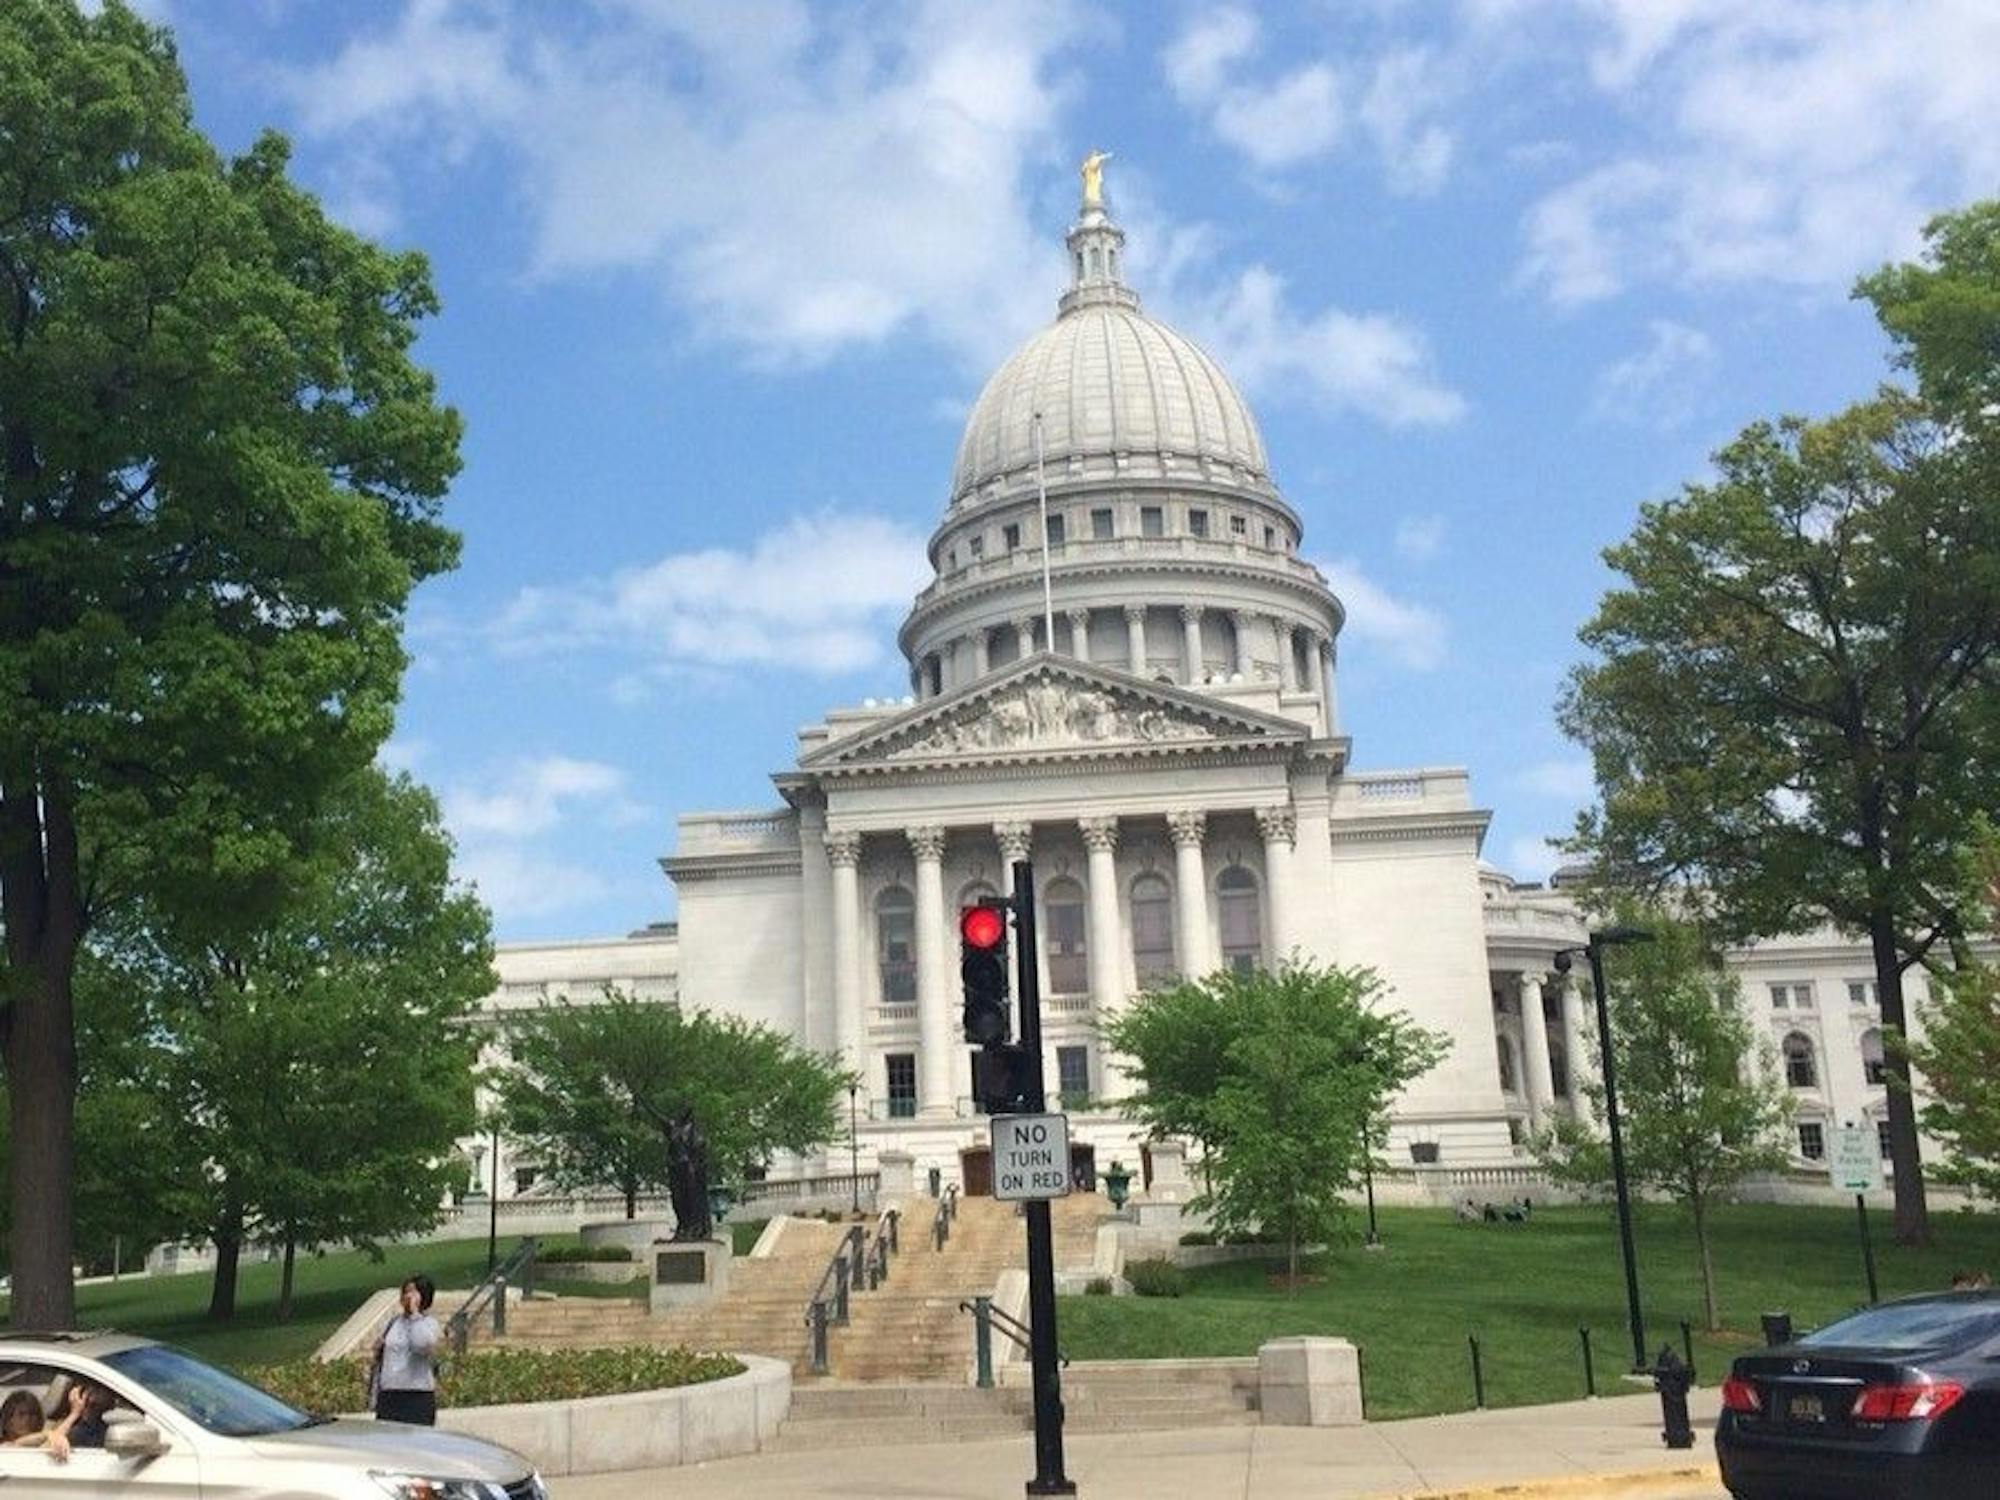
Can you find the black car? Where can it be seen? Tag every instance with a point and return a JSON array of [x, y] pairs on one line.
[[1897, 1402]]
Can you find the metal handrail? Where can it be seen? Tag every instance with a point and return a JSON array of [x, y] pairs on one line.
[[947, 1210], [822, 1309], [883, 1246], [984, 1313], [492, 1292]]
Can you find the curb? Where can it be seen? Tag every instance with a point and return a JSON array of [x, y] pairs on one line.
[[1632, 1483]]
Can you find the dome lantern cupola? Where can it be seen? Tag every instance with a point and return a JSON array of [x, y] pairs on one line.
[[1096, 249]]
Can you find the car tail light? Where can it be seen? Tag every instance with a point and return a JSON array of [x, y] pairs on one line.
[[1741, 1396], [1919, 1401]]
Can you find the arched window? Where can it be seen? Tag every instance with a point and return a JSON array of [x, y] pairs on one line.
[[1152, 930], [1241, 917], [1096, 261], [1871, 1056], [896, 945], [1801, 1069], [1508, 1084], [1068, 947]]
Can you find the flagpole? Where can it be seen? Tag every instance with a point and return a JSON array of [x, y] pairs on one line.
[[1042, 502]]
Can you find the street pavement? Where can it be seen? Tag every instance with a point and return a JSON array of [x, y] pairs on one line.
[[1579, 1445]]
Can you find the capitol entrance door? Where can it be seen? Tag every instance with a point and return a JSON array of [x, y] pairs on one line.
[[975, 1170]]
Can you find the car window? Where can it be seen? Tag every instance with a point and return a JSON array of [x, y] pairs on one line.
[[1910, 1326], [218, 1401]]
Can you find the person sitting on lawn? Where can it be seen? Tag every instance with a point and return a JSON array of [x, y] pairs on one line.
[[23, 1424], [1468, 1212]]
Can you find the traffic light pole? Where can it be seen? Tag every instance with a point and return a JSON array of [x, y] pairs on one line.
[[1049, 1477]]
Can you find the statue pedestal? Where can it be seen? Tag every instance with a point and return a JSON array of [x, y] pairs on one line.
[[686, 1273]]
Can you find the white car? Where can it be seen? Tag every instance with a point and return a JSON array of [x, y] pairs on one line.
[[184, 1430]]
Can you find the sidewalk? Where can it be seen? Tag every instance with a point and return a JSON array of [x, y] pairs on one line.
[[1458, 1454]]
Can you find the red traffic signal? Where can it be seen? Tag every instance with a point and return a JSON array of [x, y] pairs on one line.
[[982, 927]]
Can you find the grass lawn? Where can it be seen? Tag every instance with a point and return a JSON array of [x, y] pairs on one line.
[[1524, 1290]]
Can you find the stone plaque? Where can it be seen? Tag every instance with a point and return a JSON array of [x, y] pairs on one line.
[[680, 1267]]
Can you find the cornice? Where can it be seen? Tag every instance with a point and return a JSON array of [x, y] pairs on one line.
[[1409, 828], [685, 868], [1049, 764]]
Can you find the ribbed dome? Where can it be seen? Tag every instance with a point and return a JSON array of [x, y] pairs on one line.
[[1113, 385]]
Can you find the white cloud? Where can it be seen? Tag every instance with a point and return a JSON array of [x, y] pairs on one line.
[[1372, 363], [1406, 88], [797, 181], [1662, 384], [1532, 857], [516, 883], [819, 594], [1418, 538], [402, 753], [537, 795], [1413, 634], [1792, 141], [1566, 778]]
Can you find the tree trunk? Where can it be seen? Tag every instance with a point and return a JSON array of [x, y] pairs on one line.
[[285, 1282], [631, 1200], [228, 1250], [1913, 1224], [1709, 1312], [41, 898], [1292, 1263]]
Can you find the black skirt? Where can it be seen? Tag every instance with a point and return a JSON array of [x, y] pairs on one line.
[[419, 1408]]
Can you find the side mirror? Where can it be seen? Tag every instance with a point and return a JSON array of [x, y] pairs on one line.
[[132, 1436]]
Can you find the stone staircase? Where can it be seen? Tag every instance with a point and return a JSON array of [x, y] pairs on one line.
[[763, 1312], [1098, 1397]]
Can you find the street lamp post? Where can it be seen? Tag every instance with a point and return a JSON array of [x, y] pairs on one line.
[[1611, 937], [853, 1147], [493, 1208]]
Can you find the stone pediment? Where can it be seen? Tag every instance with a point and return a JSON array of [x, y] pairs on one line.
[[1054, 706]]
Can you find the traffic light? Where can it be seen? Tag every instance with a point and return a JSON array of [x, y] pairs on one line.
[[982, 941], [1002, 1075]]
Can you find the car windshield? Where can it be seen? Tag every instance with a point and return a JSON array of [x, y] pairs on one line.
[[1904, 1327], [221, 1403]]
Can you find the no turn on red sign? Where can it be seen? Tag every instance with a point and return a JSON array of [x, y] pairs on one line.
[[1030, 1157]]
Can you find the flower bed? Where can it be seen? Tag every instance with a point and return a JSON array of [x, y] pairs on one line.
[[505, 1377]]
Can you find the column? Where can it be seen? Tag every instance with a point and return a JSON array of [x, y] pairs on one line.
[[1279, 827], [1535, 1042], [1575, 1027], [1079, 634], [979, 647], [843, 852], [1024, 636], [1327, 663], [1014, 839], [1191, 892], [1135, 639], [1239, 620], [1191, 641], [1107, 965], [1288, 665], [935, 1099]]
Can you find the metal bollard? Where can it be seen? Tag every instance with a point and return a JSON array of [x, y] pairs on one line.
[[1589, 1369], [1478, 1376], [1777, 1328], [982, 1340], [816, 1320], [1671, 1378]]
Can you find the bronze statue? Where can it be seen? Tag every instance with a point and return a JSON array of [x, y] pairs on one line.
[[687, 1179], [1093, 178]]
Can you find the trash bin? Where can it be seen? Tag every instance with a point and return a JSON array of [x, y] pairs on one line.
[[1777, 1328]]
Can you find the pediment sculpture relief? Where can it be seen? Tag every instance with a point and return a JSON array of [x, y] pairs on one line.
[[1042, 714]]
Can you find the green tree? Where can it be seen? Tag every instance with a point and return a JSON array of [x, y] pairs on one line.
[[1959, 1052], [219, 474], [1700, 1106], [325, 1065], [1792, 706], [1281, 1075], [554, 1102], [714, 1092]]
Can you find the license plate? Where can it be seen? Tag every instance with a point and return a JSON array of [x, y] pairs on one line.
[[1805, 1409]]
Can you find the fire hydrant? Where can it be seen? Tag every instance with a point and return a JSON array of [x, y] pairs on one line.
[[1671, 1378]]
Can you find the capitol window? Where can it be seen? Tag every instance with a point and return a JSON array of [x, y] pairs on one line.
[[1238, 526], [977, 546], [1862, 992], [1152, 930], [1872, 1060], [1240, 916], [1506, 1051], [896, 945], [1100, 524], [1791, 997], [1011, 535], [1068, 947], [1152, 521], [900, 1069], [1197, 523], [1812, 1141], [1055, 531], [1801, 1068]]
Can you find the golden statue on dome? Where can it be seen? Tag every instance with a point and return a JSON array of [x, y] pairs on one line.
[[1093, 178]]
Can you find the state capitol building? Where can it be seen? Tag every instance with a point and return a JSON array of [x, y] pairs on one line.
[[1161, 733]]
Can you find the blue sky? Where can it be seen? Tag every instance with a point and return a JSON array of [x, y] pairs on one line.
[[721, 278]]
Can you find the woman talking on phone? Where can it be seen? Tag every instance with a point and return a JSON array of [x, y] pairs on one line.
[[405, 1374]]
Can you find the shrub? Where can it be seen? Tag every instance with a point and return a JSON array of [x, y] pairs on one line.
[[570, 1255], [1156, 1278], [1097, 1286], [1198, 1237], [1246, 1237], [504, 1377]]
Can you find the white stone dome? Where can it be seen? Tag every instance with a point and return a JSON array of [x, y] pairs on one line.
[[1111, 385]]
